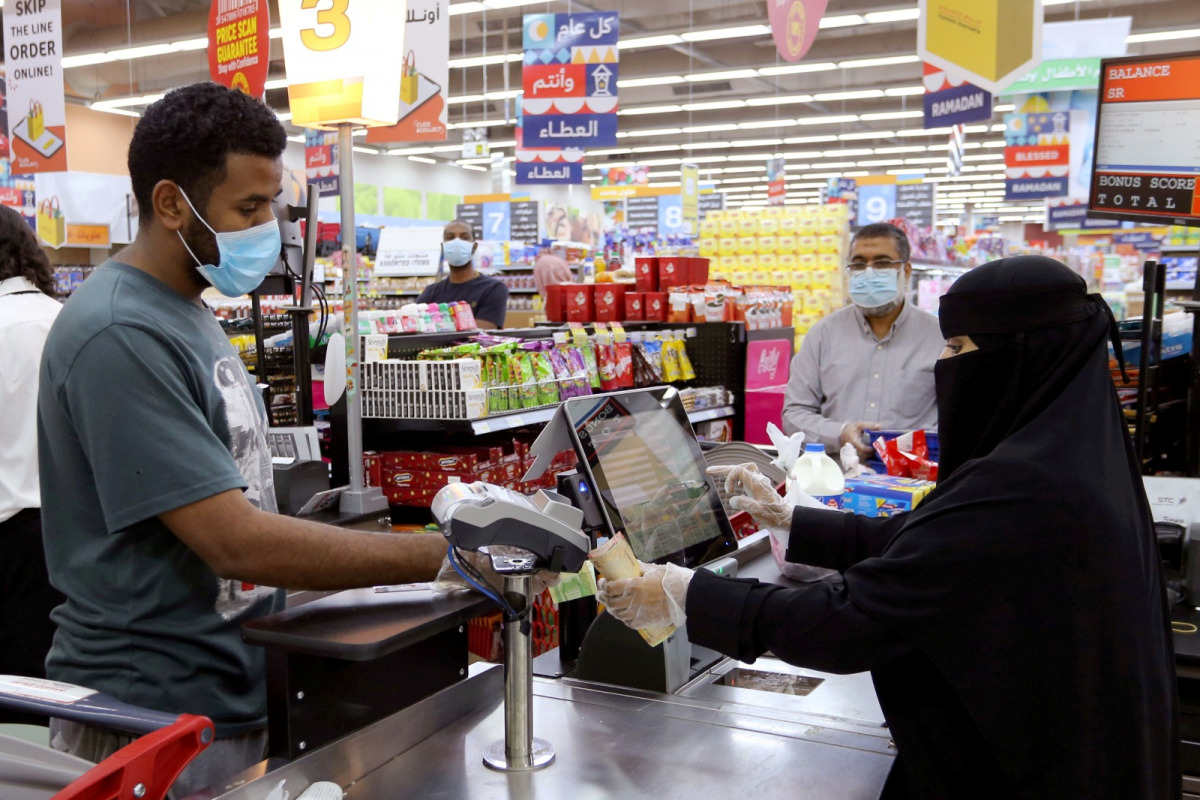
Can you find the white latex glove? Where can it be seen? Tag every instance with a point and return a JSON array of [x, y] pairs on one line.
[[753, 493], [852, 433], [655, 600], [448, 580]]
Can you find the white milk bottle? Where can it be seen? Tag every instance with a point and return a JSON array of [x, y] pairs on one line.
[[819, 476]]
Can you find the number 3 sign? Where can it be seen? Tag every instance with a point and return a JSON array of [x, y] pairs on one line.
[[344, 59]]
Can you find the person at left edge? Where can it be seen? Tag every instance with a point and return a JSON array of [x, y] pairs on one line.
[[157, 493], [488, 297]]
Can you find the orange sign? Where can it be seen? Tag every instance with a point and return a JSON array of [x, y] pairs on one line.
[[87, 235], [239, 44], [1149, 80]]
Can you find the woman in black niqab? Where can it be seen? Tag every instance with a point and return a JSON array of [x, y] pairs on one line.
[[1015, 623]]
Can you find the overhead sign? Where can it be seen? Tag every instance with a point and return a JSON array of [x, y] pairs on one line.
[[990, 43], [794, 25], [776, 181], [321, 162], [1147, 152], [661, 215], [689, 191], [1065, 214], [345, 61], [950, 100], [37, 116], [239, 44], [537, 172], [712, 201], [1064, 74], [880, 202], [79, 209], [502, 220], [1037, 158], [630, 190], [408, 251], [425, 78]]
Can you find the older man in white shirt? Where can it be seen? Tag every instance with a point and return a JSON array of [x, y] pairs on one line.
[[27, 309], [868, 365]]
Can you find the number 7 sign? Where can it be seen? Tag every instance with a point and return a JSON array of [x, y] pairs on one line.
[[344, 60]]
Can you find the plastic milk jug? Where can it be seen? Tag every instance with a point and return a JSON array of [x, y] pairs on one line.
[[819, 476]]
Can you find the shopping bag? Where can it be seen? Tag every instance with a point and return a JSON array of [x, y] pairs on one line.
[[409, 78], [36, 120], [51, 225]]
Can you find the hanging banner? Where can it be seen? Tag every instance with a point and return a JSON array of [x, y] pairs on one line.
[[79, 209], [794, 25], [321, 162], [689, 190], [988, 42], [239, 44], [776, 181], [1037, 158], [344, 63], [569, 82], [37, 116], [1059, 75], [426, 76], [537, 172], [950, 100]]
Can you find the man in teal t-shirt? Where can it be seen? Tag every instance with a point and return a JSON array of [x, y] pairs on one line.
[[158, 506]]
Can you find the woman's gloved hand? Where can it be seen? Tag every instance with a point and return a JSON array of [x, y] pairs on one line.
[[752, 492], [655, 600]]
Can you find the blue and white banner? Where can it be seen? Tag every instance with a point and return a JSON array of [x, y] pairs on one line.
[[950, 100], [567, 131], [554, 172]]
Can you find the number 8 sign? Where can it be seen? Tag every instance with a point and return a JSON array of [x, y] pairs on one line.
[[344, 60]]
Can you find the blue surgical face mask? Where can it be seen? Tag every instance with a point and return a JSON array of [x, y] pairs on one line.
[[246, 256], [458, 252], [873, 288]]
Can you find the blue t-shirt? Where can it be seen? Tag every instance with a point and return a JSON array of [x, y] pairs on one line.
[[488, 296], [144, 407]]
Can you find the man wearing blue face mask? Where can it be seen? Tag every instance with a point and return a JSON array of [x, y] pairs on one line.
[[488, 297], [869, 365], [155, 474]]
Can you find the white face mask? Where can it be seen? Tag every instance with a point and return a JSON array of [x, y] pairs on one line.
[[458, 252]]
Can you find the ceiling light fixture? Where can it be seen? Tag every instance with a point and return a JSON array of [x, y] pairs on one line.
[[726, 33], [422, 159], [882, 61], [795, 69], [856, 94], [648, 41]]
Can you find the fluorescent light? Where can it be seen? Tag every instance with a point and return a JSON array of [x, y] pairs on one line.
[[916, 148], [829, 120], [410, 151], [756, 143], [725, 33], [767, 123], [857, 94], [483, 123], [892, 115], [648, 41], [737, 170], [1163, 36], [725, 126], [782, 100], [849, 137], [283, 116], [124, 54], [1005, 107], [510, 3], [896, 15], [127, 113], [466, 8], [473, 167], [124, 102], [923, 132], [484, 61], [793, 69], [651, 132], [748, 157], [652, 148], [883, 61], [904, 91], [714, 105], [843, 21], [368, 150], [187, 45], [296, 138], [648, 110], [907, 171], [880, 162], [924, 161], [984, 157], [278, 83], [862, 151], [422, 159], [810, 139], [670, 173], [721, 75], [661, 80]]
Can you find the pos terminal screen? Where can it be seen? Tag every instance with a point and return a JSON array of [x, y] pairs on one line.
[[648, 470]]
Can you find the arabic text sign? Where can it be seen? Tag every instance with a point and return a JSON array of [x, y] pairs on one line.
[[345, 62], [37, 114], [408, 251], [950, 100], [571, 130], [565, 32], [1037, 158], [321, 162], [554, 80], [425, 77], [1059, 75], [539, 172], [239, 44], [1073, 215]]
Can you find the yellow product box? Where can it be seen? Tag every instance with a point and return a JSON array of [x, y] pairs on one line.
[[727, 246], [789, 225], [807, 226], [729, 227], [739, 277], [799, 281], [768, 260], [734, 213], [774, 212], [810, 210], [748, 226], [781, 277], [819, 279], [815, 305], [727, 263], [747, 261], [747, 244], [830, 224], [830, 261], [803, 322], [825, 296], [807, 261], [759, 276], [785, 243], [708, 246], [768, 226], [806, 245], [766, 245], [709, 226], [716, 215], [788, 261], [829, 243]]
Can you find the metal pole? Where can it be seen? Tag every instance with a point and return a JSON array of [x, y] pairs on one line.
[[518, 751], [357, 499]]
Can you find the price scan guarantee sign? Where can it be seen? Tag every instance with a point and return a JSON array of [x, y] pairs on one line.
[[794, 25], [239, 44]]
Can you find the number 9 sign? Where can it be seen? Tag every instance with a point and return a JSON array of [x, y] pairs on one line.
[[344, 60], [876, 203]]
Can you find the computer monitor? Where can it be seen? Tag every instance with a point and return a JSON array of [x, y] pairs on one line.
[[641, 456]]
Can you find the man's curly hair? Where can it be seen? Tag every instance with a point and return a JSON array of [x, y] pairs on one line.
[[186, 136], [20, 255]]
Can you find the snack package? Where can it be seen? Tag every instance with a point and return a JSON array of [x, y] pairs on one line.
[[616, 561], [653, 350], [606, 360], [644, 373], [624, 365], [670, 362], [686, 370], [528, 387], [589, 359], [543, 374], [580, 384], [907, 456]]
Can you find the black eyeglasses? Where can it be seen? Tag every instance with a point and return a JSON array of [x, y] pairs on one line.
[[877, 264]]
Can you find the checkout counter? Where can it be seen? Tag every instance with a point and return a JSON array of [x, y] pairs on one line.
[[371, 690]]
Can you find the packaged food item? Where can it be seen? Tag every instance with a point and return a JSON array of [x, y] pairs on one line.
[[670, 362], [543, 374], [616, 561]]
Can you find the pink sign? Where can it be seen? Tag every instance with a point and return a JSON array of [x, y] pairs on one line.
[[768, 364], [794, 25]]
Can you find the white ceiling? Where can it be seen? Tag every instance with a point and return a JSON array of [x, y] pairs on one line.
[[724, 100]]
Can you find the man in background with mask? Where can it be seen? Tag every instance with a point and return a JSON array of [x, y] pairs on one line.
[[488, 297], [869, 365], [158, 505]]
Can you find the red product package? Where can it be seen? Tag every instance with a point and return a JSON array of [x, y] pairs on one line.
[[581, 303], [655, 307], [633, 306], [556, 301], [606, 363], [610, 302], [372, 468], [672, 271], [646, 270], [624, 365], [697, 271], [907, 456]]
